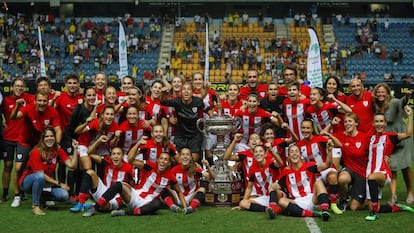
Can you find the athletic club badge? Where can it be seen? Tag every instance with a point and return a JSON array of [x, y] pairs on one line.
[[194, 109], [365, 103], [358, 145], [46, 122]]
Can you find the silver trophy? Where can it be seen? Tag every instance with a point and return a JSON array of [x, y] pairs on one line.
[[226, 187]]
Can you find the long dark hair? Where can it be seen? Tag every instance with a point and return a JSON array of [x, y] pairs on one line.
[[41, 146], [192, 166]]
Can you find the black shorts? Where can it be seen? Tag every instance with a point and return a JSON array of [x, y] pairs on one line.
[[8, 149], [66, 144], [358, 186], [194, 143], [22, 153]]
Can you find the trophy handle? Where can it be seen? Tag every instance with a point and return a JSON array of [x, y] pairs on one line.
[[203, 121], [237, 123]]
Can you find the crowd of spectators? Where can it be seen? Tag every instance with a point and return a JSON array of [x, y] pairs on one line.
[[72, 45]]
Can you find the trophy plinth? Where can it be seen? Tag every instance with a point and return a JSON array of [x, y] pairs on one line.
[[226, 188]]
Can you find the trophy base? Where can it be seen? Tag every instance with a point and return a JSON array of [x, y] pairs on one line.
[[222, 199]]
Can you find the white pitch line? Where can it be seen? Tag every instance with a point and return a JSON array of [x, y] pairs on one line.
[[312, 226]]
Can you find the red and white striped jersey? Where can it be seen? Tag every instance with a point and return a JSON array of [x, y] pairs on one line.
[[170, 112], [299, 183], [151, 151], [125, 173], [295, 113], [227, 109], [323, 116], [188, 185], [251, 122], [261, 177], [154, 110], [280, 146], [151, 183], [130, 135], [89, 137], [380, 146], [313, 150]]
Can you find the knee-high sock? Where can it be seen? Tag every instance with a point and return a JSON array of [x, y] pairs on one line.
[[168, 199], [273, 198], [109, 194], [62, 172], [85, 187], [297, 211], [151, 207], [256, 207], [323, 201], [198, 198], [333, 192], [71, 182], [373, 191]]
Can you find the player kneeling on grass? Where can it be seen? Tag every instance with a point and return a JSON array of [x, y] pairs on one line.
[[381, 147], [114, 170], [144, 199], [298, 181], [186, 179], [256, 197]]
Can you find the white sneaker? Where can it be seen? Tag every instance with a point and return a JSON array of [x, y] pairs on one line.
[[16, 202], [50, 203]]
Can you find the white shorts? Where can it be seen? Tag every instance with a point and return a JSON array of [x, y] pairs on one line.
[[324, 174], [137, 201], [100, 190], [336, 153], [210, 140], [187, 198], [387, 182], [262, 200], [305, 202], [82, 151]]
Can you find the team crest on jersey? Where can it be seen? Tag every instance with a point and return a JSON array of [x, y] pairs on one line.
[[19, 156], [249, 162], [194, 109], [46, 122], [262, 94], [358, 145], [164, 181], [365, 103]]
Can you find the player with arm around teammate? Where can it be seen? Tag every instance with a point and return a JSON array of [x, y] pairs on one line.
[[115, 169], [381, 147], [144, 198], [304, 191], [187, 175]]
